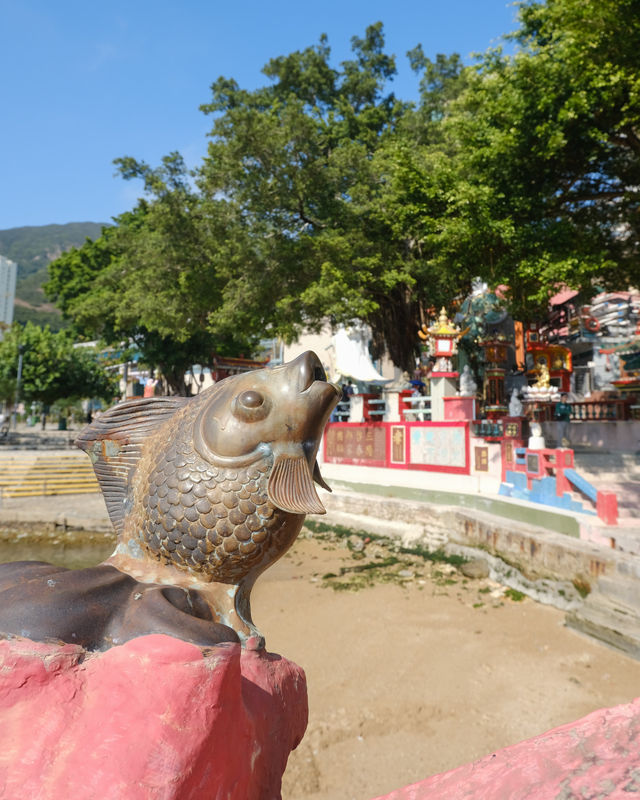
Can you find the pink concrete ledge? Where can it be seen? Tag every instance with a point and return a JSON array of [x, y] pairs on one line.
[[153, 719], [597, 757]]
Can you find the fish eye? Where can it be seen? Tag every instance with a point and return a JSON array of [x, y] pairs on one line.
[[251, 399], [250, 406]]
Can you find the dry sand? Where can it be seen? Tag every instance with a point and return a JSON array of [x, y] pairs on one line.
[[407, 679]]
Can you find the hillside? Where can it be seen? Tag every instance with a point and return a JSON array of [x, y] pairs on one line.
[[32, 248]]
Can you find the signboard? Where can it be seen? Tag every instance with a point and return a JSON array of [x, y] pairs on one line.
[[398, 445], [438, 446], [482, 459], [430, 446], [361, 444], [533, 463]]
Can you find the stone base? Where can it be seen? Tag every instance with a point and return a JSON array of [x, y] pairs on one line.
[[609, 621], [154, 718]]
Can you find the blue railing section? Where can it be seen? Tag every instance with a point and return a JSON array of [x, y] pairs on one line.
[[581, 484]]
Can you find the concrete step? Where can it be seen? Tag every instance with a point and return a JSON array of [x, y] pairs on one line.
[[598, 466], [611, 622], [36, 443], [49, 491], [619, 590], [39, 480], [29, 461], [32, 475], [53, 487], [51, 469], [50, 479]]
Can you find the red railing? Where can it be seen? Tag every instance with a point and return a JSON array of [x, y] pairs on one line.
[[373, 407], [414, 408]]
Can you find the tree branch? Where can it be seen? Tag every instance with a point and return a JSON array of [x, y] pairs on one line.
[[627, 138], [307, 220]]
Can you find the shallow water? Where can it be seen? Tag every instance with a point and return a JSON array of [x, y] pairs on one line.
[[72, 549]]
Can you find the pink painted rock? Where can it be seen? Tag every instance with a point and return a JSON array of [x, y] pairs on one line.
[[153, 719], [596, 757]]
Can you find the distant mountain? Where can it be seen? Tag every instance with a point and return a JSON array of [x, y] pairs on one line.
[[32, 248]]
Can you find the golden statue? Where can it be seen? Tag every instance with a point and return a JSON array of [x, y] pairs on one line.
[[542, 371]]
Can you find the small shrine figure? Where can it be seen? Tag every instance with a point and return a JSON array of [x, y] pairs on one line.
[[542, 371], [536, 440], [440, 344], [468, 387], [515, 405]]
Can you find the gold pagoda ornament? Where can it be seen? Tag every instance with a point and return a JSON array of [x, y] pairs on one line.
[[442, 338]]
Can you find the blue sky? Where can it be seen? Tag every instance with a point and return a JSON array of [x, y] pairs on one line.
[[85, 82]]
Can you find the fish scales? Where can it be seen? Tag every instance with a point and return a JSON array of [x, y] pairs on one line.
[[186, 512], [204, 494]]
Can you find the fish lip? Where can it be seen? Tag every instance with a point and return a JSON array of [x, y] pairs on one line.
[[326, 395], [323, 397], [309, 370]]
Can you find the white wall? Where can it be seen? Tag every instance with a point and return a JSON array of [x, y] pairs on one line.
[[322, 346]]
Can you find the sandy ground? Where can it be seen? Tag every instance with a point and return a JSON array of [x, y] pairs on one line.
[[422, 674]]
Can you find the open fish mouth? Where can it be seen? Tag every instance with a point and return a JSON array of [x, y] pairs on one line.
[[319, 395], [296, 470], [310, 371], [312, 378]]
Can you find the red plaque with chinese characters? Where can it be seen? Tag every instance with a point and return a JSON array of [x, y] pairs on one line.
[[355, 444]]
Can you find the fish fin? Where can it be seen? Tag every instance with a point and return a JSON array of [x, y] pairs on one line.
[[291, 486], [317, 477], [113, 443]]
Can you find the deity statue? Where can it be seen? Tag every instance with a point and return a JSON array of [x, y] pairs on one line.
[[542, 371], [468, 386], [515, 406]]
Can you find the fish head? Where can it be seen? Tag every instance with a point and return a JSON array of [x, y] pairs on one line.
[[280, 413]]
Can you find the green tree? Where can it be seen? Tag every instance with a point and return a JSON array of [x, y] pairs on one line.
[[152, 279], [533, 177], [296, 163], [53, 368], [323, 197]]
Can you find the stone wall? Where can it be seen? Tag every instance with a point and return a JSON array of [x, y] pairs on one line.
[[599, 586]]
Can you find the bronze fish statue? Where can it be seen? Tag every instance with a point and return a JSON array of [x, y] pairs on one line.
[[204, 493]]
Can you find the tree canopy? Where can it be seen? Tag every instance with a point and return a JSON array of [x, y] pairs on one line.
[[53, 368], [540, 156], [325, 197], [153, 278], [296, 162]]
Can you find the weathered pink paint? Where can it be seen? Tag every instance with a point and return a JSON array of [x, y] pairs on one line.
[[153, 719], [607, 507], [596, 757]]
